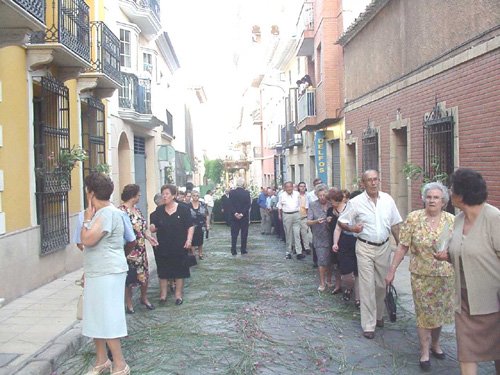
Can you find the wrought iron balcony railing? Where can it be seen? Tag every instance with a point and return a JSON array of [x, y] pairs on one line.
[[35, 7], [152, 5], [67, 23], [105, 48], [135, 94], [306, 105]]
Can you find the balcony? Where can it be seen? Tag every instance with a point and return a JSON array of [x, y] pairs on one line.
[[293, 138], [283, 136], [305, 30], [134, 101], [105, 59], [258, 152], [18, 18], [306, 109], [144, 13], [66, 39]]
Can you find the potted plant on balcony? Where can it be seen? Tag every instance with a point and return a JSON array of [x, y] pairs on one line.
[[69, 158], [102, 168], [55, 174]]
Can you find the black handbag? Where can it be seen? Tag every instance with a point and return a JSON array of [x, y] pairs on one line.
[[190, 260], [391, 298]]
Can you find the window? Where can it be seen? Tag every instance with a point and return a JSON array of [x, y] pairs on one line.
[[51, 130], [319, 64], [93, 136], [370, 148], [439, 145], [125, 94], [147, 62], [125, 48]]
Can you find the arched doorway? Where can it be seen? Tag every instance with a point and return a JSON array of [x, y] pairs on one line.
[[124, 165]]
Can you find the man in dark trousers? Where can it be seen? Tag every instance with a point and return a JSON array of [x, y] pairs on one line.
[[240, 203]]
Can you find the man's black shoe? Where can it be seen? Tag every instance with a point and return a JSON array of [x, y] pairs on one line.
[[288, 256], [300, 256], [233, 252], [315, 265], [244, 252]]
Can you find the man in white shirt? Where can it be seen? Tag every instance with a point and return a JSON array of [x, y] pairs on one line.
[[374, 216], [289, 205], [209, 201]]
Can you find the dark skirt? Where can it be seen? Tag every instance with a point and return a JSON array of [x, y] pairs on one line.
[[170, 267], [197, 236], [478, 336], [347, 254]]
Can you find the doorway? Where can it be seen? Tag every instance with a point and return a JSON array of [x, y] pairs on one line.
[[399, 157], [140, 172]]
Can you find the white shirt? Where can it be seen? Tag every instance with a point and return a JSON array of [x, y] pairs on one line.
[[377, 219], [311, 197], [289, 202], [209, 200]]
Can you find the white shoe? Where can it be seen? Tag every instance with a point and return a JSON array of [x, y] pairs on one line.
[[321, 288], [125, 371], [101, 369]]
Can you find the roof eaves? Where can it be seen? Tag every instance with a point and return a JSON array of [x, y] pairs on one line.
[[363, 19]]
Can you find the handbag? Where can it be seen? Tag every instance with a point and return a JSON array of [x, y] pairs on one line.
[[190, 260], [79, 307], [391, 298]]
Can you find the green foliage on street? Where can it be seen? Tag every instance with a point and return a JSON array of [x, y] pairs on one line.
[[214, 170]]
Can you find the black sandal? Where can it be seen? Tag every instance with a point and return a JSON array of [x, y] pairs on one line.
[[347, 295]]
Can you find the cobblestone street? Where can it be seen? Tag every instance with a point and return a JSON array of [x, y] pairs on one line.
[[262, 314]]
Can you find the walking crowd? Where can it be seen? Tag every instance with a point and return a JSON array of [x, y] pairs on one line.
[[454, 261]]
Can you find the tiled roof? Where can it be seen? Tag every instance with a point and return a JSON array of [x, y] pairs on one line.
[[361, 21]]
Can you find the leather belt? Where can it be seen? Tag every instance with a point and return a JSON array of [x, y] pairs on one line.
[[293, 212], [373, 243]]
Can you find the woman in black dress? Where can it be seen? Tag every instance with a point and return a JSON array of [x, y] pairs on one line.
[[344, 245], [173, 225], [199, 214]]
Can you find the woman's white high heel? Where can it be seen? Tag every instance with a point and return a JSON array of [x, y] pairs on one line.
[[125, 371], [101, 369]]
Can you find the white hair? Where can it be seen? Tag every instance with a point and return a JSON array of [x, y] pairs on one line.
[[240, 182], [436, 186]]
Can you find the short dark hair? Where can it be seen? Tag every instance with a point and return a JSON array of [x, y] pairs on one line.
[[470, 185], [130, 191], [335, 195], [100, 184], [347, 193], [170, 187]]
